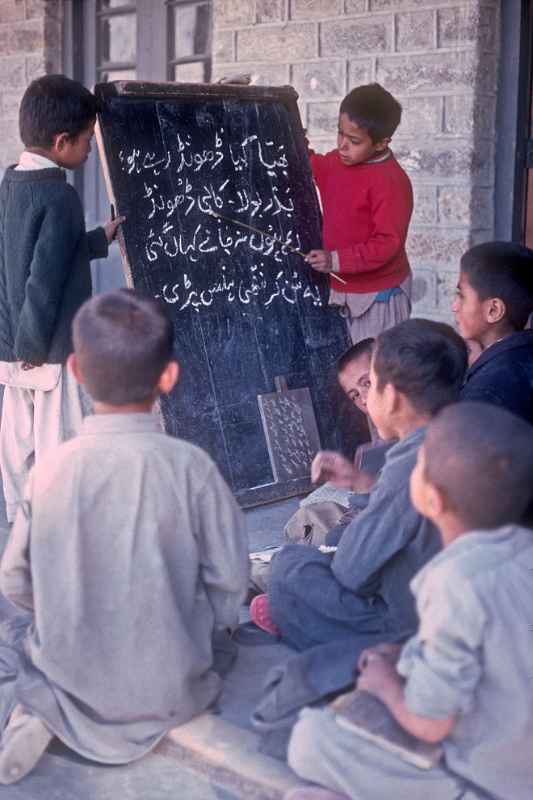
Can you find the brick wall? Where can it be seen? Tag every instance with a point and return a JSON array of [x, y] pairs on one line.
[[438, 57], [30, 45]]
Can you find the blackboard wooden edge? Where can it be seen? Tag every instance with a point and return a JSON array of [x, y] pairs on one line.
[[166, 91], [100, 143], [272, 492]]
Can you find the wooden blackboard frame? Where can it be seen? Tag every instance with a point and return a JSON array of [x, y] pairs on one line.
[[287, 96]]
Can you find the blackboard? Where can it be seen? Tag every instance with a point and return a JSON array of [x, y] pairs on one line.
[[245, 306]]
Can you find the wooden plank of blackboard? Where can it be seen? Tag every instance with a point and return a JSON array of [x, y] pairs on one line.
[[245, 307]]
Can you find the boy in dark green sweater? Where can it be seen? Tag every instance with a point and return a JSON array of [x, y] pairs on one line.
[[44, 275]]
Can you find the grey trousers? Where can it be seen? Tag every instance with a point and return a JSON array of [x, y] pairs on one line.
[[323, 752]]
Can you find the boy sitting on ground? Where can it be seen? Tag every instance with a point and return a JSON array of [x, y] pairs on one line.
[[326, 506], [333, 503], [465, 678], [363, 589], [493, 302], [131, 554], [367, 201]]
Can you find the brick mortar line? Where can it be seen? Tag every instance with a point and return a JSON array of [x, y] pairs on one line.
[[398, 54]]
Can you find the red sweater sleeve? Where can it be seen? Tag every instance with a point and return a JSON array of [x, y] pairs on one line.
[[391, 209], [318, 165]]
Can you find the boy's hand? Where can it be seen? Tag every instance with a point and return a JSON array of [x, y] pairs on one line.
[[25, 365], [379, 677], [387, 649], [330, 466], [320, 260], [110, 228]]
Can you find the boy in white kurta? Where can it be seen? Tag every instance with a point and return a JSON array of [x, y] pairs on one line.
[[129, 551], [465, 678]]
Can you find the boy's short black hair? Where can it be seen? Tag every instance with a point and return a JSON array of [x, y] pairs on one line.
[[424, 360], [503, 270], [374, 109], [481, 457], [55, 104], [354, 353], [123, 342]]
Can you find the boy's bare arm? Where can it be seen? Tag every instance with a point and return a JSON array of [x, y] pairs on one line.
[[380, 678]]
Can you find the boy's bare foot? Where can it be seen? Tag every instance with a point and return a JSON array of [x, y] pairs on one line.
[[24, 741]]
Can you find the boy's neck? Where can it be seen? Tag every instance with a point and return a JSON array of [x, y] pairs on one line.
[[42, 151], [409, 422], [377, 158], [451, 528], [495, 334], [129, 408]]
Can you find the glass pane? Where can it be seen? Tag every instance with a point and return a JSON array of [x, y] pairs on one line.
[[104, 4], [190, 73], [191, 30], [118, 75], [119, 38]]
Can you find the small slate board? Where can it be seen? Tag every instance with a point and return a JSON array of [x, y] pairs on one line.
[[291, 432], [245, 305]]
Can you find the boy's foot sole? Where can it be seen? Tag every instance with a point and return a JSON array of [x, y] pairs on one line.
[[24, 741]]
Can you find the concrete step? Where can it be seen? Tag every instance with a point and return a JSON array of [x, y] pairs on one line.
[[229, 757]]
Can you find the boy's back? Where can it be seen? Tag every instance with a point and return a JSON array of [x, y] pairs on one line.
[[137, 551], [44, 264], [475, 641]]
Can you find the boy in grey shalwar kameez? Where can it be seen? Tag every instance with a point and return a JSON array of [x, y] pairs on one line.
[[465, 678], [362, 590], [131, 554]]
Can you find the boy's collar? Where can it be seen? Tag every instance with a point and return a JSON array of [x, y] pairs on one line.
[[33, 161], [121, 423], [382, 157], [512, 342]]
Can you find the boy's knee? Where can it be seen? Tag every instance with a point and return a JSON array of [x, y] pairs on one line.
[[304, 745]]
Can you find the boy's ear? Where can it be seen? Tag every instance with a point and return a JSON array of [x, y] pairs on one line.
[[495, 310], [60, 141], [169, 377], [437, 501], [74, 367], [391, 398], [382, 145]]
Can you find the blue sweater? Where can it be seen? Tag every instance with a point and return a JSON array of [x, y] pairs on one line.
[[503, 375], [44, 264]]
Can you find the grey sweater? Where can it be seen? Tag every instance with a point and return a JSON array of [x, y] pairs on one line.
[[44, 264], [387, 543]]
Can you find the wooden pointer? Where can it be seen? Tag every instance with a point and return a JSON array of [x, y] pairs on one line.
[[265, 233]]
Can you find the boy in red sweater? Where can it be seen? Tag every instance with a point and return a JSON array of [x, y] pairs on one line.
[[367, 202]]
